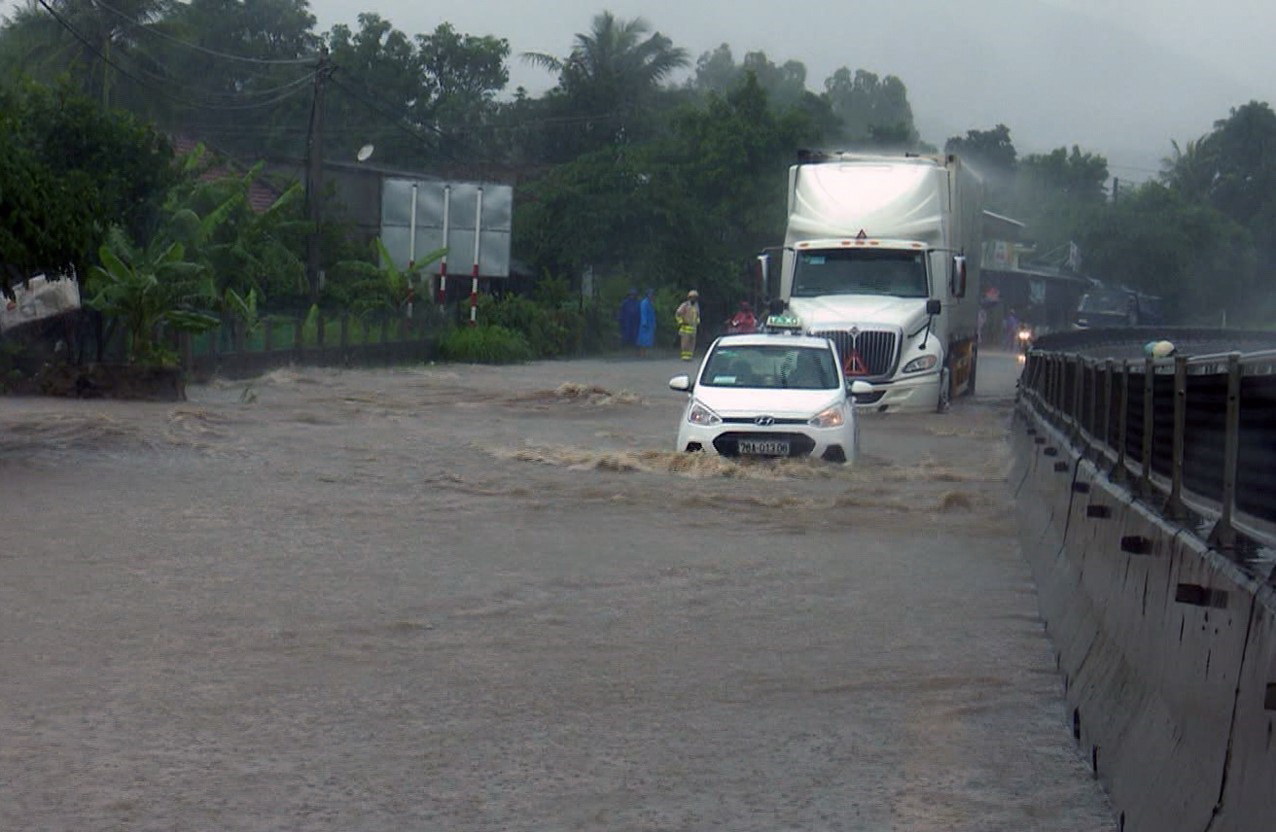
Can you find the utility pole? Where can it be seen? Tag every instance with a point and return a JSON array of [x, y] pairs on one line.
[[314, 174], [1116, 189]]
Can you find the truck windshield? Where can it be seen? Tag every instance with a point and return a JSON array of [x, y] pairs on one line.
[[860, 271], [1106, 302]]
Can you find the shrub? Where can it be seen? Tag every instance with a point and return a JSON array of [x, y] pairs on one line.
[[487, 344], [546, 333]]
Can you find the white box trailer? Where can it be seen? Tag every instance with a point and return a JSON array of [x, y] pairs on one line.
[[881, 254]]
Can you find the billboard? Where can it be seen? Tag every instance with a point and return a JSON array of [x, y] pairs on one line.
[[462, 202]]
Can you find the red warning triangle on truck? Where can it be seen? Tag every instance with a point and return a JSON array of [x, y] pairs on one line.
[[855, 365]]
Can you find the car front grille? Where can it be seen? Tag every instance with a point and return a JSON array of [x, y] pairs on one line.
[[727, 444], [753, 420], [878, 350]]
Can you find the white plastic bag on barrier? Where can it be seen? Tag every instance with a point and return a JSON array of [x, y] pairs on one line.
[[39, 298]]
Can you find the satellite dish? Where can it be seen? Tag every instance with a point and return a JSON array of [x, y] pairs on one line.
[[365, 153]]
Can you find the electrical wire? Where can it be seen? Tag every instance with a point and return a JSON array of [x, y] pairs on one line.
[[156, 88], [396, 121], [213, 52]]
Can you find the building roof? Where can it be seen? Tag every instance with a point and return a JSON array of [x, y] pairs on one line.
[[261, 194]]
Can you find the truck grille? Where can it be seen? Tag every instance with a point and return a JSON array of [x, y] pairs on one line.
[[878, 350]]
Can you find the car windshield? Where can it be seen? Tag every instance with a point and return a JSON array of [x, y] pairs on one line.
[[860, 271], [771, 366]]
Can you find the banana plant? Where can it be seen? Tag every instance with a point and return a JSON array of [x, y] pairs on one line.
[[148, 291], [383, 286]]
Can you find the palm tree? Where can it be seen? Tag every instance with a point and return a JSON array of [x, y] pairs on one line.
[[1192, 170], [46, 38], [613, 66]]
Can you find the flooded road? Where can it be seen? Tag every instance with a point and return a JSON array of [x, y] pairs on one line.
[[476, 598]]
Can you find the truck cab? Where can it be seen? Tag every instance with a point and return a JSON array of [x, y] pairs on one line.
[[881, 257]]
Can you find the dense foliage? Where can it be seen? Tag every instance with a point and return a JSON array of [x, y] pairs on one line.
[[641, 166], [1200, 236], [485, 344], [69, 171]]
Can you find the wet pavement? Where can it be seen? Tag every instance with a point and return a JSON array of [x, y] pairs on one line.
[[478, 598]]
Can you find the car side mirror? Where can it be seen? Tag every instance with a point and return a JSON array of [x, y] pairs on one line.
[[682, 383], [934, 307], [860, 388]]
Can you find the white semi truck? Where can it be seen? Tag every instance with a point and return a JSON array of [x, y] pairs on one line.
[[881, 254]]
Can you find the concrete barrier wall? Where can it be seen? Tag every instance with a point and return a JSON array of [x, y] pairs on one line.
[[1167, 648]]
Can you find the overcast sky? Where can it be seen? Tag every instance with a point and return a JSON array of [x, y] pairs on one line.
[[1120, 77]]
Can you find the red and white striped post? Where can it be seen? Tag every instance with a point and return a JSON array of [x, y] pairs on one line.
[[447, 209], [474, 275], [412, 250]]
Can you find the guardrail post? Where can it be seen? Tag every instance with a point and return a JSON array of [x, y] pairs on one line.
[[1120, 474], [1078, 402], [1144, 484], [1092, 406], [1174, 507], [1223, 535], [1106, 445]]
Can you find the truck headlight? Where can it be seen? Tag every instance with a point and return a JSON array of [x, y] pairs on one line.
[[832, 417], [703, 416], [925, 362]]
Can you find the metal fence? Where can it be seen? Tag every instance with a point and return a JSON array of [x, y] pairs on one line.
[[322, 341], [1196, 433]]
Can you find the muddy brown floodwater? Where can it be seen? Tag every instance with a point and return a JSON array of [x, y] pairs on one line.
[[476, 598]]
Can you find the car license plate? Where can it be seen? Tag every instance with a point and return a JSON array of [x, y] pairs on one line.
[[764, 447]]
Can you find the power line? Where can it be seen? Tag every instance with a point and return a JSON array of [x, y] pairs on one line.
[[213, 52], [396, 121], [156, 88]]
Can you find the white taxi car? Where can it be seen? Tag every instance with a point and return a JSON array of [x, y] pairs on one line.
[[771, 395]]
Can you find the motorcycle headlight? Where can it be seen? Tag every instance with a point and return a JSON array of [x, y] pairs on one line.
[[703, 416], [924, 362], [832, 417]]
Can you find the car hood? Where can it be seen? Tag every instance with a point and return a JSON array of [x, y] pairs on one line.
[[833, 311], [736, 402]]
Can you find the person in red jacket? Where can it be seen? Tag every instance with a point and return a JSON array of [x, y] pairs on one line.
[[744, 321]]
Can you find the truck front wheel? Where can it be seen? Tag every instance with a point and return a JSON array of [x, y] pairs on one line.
[[945, 399]]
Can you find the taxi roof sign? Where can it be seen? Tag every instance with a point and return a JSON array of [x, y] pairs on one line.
[[784, 323]]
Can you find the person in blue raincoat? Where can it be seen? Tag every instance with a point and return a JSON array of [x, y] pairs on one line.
[[646, 323], [628, 318]]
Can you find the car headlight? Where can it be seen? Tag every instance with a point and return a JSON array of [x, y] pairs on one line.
[[924, 362], [832, 417], [703, 416]]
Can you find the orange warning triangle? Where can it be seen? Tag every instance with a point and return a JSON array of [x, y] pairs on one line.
[[855, 365]]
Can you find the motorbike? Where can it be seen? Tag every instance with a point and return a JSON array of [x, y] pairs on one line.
[[1024, 339]]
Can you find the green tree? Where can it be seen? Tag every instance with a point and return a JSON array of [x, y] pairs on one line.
[[992, 155], [242, 71], [690, 208], [71, 171], [148, 290], [462, 76], [245, 250], [873, 111], [1233, 169], [1071, 175], [1189, 253], [420, 100], [88, 41], [611, 78]]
